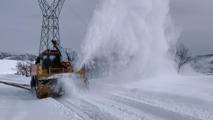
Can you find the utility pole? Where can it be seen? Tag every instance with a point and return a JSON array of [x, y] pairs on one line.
[[50, 23]]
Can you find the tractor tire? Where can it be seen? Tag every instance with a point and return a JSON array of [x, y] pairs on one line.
[[33, 82], [41, 90]]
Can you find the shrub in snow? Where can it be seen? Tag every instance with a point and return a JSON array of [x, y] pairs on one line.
[[182, 55], [23, 68]]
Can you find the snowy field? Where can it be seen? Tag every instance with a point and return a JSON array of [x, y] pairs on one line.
[[8, 66], [161, 98]]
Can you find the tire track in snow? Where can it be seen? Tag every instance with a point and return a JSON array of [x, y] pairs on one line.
[[75, 108], [135, 105], [67, 110], [181, 104], [121, 111], [92, 111], [115, 107], [152, 109], [96, 112]]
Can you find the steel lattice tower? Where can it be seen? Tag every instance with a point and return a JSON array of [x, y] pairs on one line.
[[50, 23]]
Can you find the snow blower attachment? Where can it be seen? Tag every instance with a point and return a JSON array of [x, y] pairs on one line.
[[53, 60]]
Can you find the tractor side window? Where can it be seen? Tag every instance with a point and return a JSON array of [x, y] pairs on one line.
[[46, 62], [53, 61], [38, 60], [52, 57], [44, 57], [56, 61]]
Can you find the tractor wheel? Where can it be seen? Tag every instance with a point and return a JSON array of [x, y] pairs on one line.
[[33, 82], [42, 90]]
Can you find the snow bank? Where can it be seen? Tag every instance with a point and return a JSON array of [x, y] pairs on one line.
[[8, 66]]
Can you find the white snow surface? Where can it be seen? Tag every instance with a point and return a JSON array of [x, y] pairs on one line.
[[171, 98], [8, 66], [168, 97]]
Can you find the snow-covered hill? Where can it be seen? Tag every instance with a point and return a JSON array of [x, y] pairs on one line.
[[8, 61], [23, 57], [202, 64], [4, 55]]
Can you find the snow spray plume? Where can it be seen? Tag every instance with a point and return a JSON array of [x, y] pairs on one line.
[[133, 36]]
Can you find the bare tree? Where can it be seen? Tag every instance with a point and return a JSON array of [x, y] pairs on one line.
[[23, 68], [182, 55]]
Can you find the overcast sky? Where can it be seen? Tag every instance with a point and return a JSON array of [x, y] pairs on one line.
[[20, 24]]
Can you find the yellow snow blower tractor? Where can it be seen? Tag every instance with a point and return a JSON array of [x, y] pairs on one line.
[[44, 72]]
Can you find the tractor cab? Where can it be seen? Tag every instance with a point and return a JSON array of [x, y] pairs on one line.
[[49, 59], [49, 63]]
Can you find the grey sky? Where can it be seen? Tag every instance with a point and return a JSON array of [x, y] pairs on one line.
[[195, 17], [20, 24]]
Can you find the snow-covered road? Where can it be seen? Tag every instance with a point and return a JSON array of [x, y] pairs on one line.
[[111, 103]]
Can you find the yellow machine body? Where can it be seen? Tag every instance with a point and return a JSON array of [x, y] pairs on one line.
[[46, 66], [44, 70]]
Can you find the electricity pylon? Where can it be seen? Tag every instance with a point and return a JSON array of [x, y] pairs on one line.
[[50, 23]]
